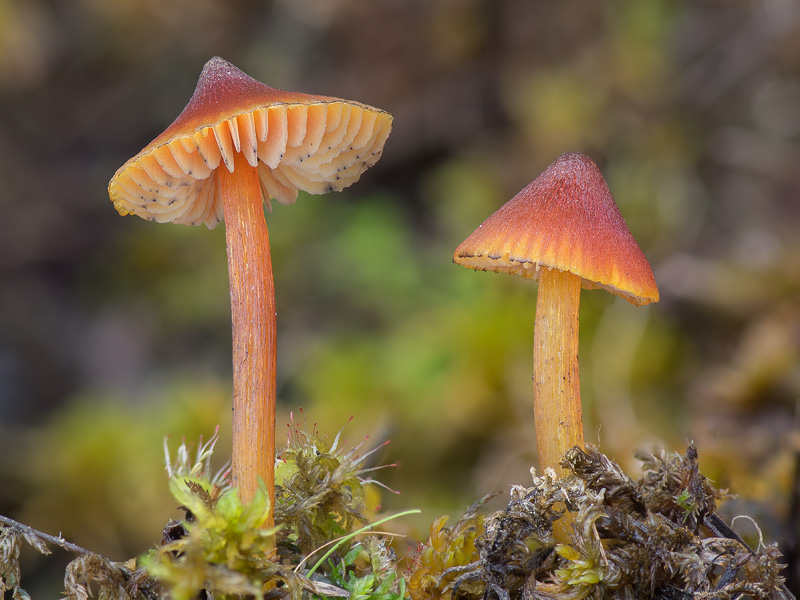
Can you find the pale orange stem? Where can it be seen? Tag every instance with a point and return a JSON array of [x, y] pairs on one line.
[[253, 324], [556, 377], [557, 386]]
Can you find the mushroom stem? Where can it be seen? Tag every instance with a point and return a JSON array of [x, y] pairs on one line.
[[253, 324], [556, 379]]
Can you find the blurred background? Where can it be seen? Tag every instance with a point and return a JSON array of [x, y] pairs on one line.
[[115, 332]]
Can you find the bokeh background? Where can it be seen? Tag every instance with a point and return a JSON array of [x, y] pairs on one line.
[[115, 332]]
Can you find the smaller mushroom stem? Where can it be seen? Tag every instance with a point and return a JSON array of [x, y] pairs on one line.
[[556, 378], [253, 321], [557, 391]]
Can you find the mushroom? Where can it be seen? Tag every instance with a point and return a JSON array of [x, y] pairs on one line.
[[237, 144], [565, 230]]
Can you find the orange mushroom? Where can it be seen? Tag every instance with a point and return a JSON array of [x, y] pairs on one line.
[[238, 143], [565, 230]]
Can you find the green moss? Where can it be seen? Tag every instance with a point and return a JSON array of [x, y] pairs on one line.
[[222, 547], [225, 551]]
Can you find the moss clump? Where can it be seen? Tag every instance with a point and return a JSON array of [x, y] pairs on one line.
[[222, 549], [375, 578], [225, 551], [448, 549], [659, 537], [319, 491]]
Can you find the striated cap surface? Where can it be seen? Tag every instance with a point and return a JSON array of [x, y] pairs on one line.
[[297, 141], [566, 219]]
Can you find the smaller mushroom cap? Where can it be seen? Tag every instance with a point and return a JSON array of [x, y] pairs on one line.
[[298, 142], [566, 219]]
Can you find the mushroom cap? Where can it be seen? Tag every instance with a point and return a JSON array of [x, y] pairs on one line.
[[565, 219], [297, 141]]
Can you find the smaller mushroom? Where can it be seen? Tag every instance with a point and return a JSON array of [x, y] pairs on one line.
[[565, 230]]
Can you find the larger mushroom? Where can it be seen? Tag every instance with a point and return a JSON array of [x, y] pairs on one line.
[[237, 144], [565, 230]]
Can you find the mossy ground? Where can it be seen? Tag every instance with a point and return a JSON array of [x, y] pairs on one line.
[[658, 537]]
